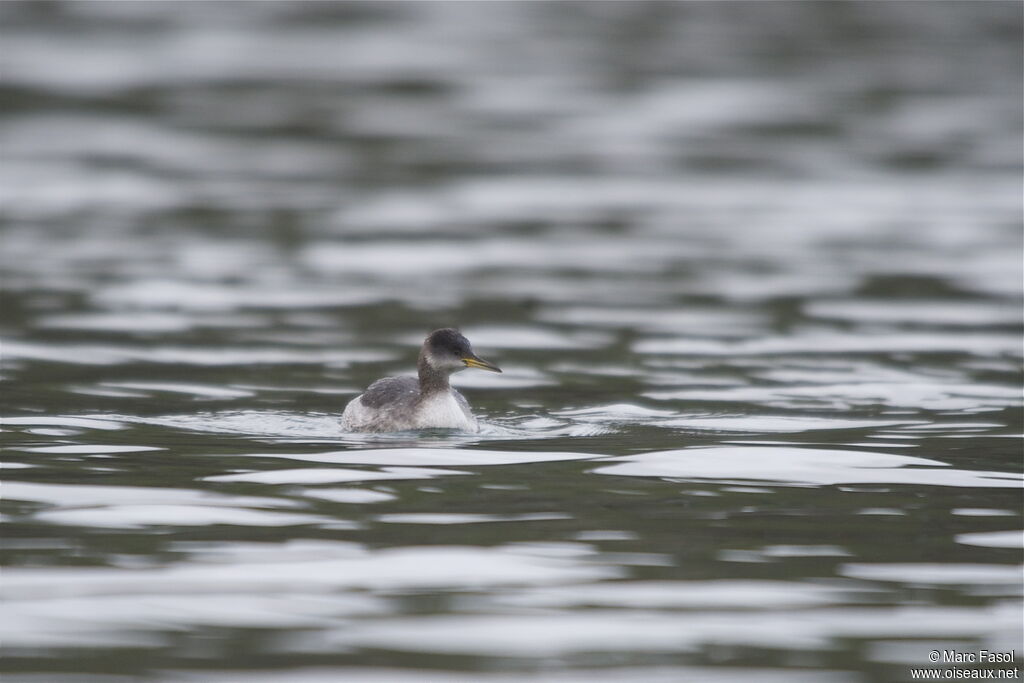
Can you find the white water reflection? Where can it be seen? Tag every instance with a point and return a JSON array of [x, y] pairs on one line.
[[90, 448], [213, 356], [147, 515], [646, 631], [96, 495], [457, 518], [201, 299], [334, 475], [648, 674], [127, 507], [348, 495], [802, 467], [62, 421], [931, 395], [197, 390], [993, 539], [966, 314], [418, 457], [461, 568], [773, 423], [668, 595], [815, 342], [936, 574], [66, 605]]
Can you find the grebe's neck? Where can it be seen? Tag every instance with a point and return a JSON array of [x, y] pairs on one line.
[[433, 380]]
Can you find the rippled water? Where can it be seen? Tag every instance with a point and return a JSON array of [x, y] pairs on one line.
[[753, 272]]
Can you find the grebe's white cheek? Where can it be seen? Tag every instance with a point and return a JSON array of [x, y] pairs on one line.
[[447, 362]]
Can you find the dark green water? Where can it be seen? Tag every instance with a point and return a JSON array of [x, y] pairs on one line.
[[753, 272]]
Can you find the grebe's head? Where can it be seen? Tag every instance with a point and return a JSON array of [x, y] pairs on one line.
[[448, 350]]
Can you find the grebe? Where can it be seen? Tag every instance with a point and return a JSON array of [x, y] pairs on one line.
[[427, 401]]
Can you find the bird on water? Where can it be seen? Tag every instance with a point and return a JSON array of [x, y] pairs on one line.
[[426, 401]]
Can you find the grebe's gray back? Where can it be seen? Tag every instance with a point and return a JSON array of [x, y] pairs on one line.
[[399, 403]]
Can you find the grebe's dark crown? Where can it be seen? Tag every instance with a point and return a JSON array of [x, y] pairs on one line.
[[448, 340]]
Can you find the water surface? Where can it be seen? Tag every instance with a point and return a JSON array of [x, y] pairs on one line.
[[753, 273]]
